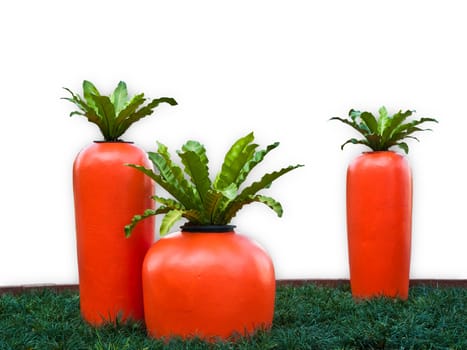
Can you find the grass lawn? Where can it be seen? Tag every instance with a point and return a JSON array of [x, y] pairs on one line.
[[306, 317]]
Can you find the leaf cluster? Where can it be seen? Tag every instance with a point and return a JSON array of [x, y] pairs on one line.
[[199, 199], [113, 114], [385, 131]]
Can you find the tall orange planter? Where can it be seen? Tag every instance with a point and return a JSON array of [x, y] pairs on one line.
[[207, 284], [379, 219], [107, 194]]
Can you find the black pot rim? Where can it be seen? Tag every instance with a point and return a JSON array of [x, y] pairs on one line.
[[117, 141], [207, 228]]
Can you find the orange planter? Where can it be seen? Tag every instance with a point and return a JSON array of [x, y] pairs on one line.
[[107, 194], [207, 284], [379, 219]]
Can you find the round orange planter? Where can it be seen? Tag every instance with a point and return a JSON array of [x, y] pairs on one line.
[[107, 194], [379, 220], [207, 284]]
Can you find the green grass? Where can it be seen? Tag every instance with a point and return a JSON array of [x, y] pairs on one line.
[[306, 317]]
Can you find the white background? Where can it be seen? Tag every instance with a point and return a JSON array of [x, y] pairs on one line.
[[279, 68]]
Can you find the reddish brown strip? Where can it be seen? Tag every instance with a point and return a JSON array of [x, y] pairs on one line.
[[333, 283]]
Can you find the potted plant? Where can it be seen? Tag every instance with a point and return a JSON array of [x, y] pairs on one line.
[[207, 280], [379, 204], [106, 195]]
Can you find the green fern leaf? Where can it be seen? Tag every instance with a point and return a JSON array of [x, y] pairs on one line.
[[77, 100], [235, 159], [370, 121], [354, 142], [214, 201], [196, 166], [137, 218], [119, 97], [146, 110], [197, 172], [174, 170], [383, 120], [182, 189], [86, 110], [265, 181], [255, 160], [199, 149], [177, 177], [360, 128], [169, 220], [106, 111], [238, 204], [374, 142], [412, 126], [169, 203], [130, 107], [195, 217], [229, 193], [176, 185], [403, 146], [89, 91], [77, 113], [396, 122], [169, 187], [271, 203], [191, 215]]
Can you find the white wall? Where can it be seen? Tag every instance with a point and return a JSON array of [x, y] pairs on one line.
[[280, 68]]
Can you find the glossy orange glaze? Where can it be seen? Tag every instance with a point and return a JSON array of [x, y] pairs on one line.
[[211, 285], [379, 220], [107, 194]]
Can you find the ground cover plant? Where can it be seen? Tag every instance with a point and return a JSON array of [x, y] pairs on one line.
[[306, 317]]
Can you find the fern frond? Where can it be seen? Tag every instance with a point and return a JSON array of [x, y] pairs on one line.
[[201, 201], [235, 159], [196, 166], [232, 210], [113, 114], [383, 132], [137, 218], [255, 160], [266, 181]]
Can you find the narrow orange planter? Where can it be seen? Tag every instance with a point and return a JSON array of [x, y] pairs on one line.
[[207, 284], [107, 194], [379, 219]]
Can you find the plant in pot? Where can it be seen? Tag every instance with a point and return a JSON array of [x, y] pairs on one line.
[[207, 281], [379, 204], [106, 195]]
